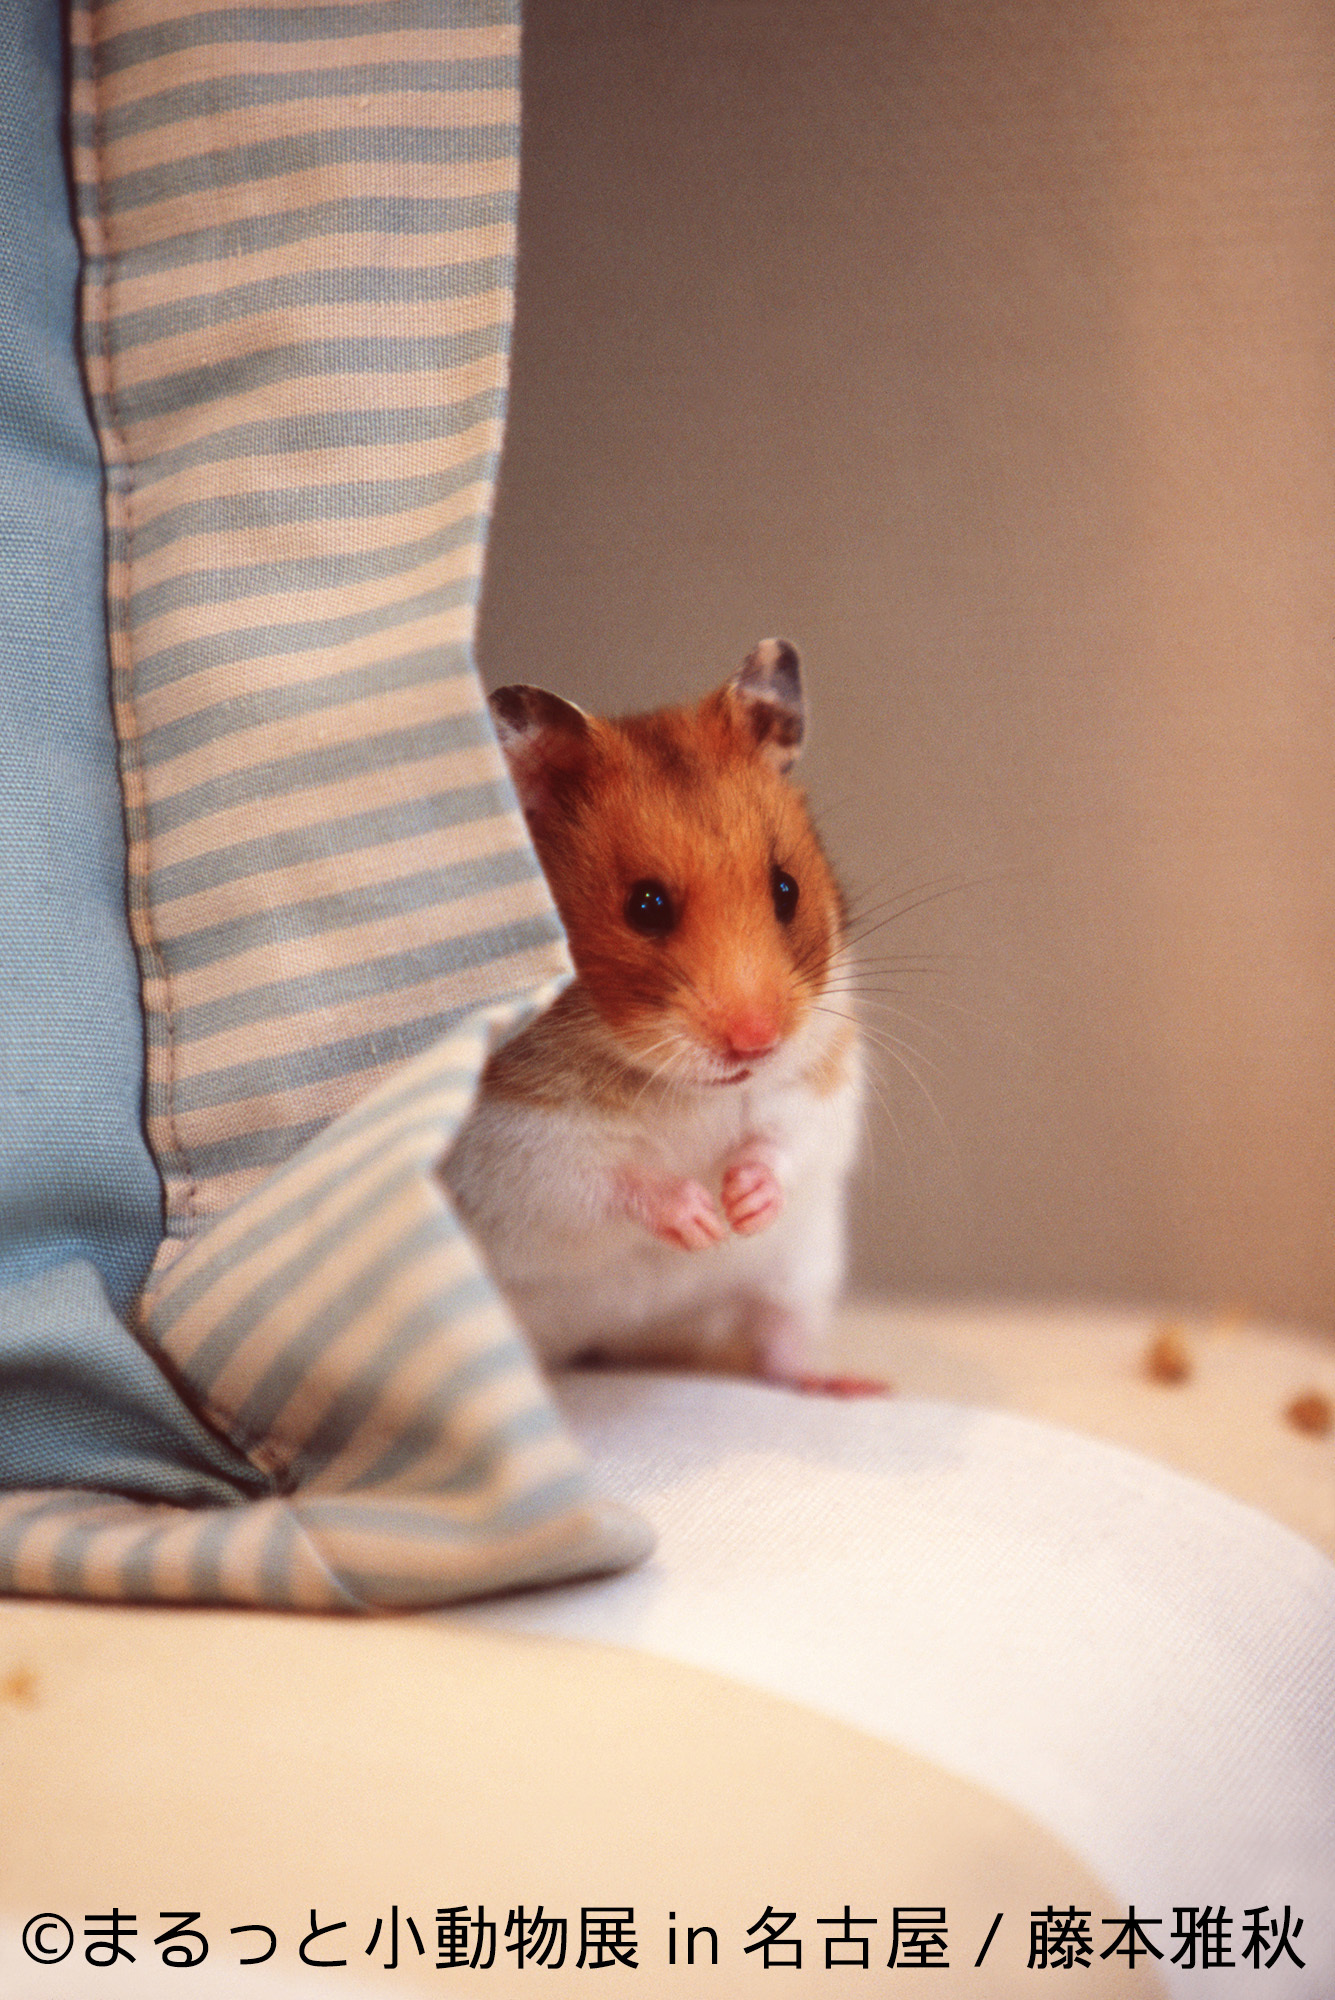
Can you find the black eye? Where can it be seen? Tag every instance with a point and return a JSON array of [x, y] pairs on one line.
[[785, 895], [649, 909]]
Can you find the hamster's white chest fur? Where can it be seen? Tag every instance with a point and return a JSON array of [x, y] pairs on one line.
[[553, 1194]]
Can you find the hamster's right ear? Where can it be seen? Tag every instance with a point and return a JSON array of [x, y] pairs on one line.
[[767, 691], [544, 739]]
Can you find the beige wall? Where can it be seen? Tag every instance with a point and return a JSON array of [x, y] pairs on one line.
[[986, 350]]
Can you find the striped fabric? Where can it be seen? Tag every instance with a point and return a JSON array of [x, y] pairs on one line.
[[336, 1326], [298, 224], [298, 230]]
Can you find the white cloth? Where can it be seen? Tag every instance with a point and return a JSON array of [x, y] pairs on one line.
[[1141, 1663]]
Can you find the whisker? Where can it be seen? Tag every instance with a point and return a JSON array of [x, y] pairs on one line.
[[901, 1013], [874, 1086], [906, 1056], [859, 905], [896, 1046], [919, 898]]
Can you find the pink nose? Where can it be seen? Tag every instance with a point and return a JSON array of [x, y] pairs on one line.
[[746, 1038]]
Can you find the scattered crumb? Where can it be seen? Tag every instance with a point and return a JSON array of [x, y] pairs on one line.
[[19, 1686], [1167, 1358], [1310, 1412]]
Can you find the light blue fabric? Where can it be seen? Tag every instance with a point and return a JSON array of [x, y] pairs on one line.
[[80, 1199]]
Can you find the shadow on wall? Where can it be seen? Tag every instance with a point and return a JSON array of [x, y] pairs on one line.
[[985, 350]]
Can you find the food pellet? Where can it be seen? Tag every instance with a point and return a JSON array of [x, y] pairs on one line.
[[1167, 1358], [1310, 1412]]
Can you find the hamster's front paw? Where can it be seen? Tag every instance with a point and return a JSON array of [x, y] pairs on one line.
[[752, 1197], [687, 1216], [679, 1212]]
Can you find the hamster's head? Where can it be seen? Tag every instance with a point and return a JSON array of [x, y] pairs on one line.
[[702, 915]]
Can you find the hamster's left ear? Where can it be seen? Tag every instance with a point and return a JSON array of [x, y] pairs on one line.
[[545, 742], [767, 692]]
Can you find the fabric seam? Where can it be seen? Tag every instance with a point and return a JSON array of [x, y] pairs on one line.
[[179, 1200]]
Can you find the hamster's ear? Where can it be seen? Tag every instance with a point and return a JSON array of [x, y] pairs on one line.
[[766, 691], [544, 740]]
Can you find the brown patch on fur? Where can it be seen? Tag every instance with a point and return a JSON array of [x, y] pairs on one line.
[[831, 1073], [731, 1354], [566, 1056]]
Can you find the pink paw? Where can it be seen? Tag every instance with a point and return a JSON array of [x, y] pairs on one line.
[[752, 1197], [840, 1385], [684, 1213]]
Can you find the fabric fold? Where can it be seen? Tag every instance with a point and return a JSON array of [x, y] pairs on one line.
[[337, 1327]]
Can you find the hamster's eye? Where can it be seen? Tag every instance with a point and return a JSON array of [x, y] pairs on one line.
[[785, 895], [649, 909]]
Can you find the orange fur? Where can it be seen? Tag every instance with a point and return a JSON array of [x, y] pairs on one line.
[[834, 1069], [686, 796]]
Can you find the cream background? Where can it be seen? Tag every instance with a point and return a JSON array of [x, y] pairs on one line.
[[985, 350]]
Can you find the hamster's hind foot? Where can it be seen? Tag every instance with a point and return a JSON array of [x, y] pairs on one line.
[[840, 1385], [786, 1344]]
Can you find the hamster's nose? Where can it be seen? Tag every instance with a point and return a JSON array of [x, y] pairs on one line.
[[747, 1038]]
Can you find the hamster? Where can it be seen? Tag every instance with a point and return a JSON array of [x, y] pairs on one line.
[[655, 1168]]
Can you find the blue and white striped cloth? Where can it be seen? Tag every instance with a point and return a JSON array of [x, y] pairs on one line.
[[298, 231]]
